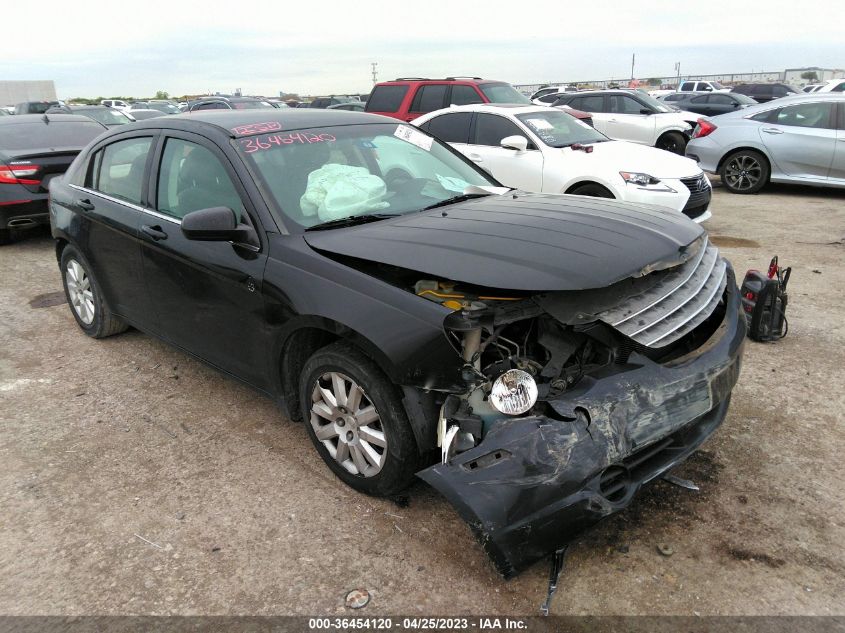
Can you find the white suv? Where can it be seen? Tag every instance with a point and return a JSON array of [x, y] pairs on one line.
[[630, 115], [118, 104], [694, 85]]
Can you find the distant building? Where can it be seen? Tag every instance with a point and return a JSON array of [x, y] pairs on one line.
[[793, 75], [14, 92]]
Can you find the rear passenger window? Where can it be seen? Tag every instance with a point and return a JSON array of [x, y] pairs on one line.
[[386, 98], [588, 104], [464, 95], [119, 169], [765, 117], [815, 115], [429, 98], [451, 128], [688, 86]]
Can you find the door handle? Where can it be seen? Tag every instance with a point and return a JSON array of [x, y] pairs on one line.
[[85, 204], [476, 158], [154, 232], [772, 130]]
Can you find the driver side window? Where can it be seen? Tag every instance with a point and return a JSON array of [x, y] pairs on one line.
[[491, 129], [190, 178]]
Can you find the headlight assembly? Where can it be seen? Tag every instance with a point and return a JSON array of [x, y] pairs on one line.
[[644, 181], [514, 392]]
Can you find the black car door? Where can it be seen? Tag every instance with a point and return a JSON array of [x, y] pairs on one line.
[[720, 103], [206, 295], [699, 104], [110, 202]]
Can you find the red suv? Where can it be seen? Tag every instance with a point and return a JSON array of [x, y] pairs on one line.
[[409, 97]]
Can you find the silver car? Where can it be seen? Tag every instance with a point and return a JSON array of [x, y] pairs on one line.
[[797, 140]]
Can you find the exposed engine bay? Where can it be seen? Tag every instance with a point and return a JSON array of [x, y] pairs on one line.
[[520, 352]]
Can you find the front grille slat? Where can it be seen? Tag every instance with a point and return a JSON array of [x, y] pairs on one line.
[[675, 305]]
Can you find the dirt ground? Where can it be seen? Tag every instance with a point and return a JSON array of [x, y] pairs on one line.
[[134, 480]]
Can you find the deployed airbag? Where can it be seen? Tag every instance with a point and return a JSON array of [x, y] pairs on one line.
[[337, 191]]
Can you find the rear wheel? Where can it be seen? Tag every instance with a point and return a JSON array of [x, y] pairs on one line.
[[674, 142], [744, 171], [592, 189], [85, 298], [356, 421]]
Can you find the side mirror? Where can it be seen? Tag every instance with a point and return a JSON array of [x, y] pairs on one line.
[[216, 224], [645, 111], [519, 143]]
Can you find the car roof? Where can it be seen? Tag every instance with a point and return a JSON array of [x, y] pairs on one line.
[[466, 80], [289, 119], [806, 96], [606, 91], [511, 108], [47, 118]]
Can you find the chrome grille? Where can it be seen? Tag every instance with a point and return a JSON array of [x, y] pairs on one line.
[[675, 305], [696, 183]]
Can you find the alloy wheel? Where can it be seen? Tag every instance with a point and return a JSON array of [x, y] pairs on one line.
[[743, 172], [80, 291], [347, 423]]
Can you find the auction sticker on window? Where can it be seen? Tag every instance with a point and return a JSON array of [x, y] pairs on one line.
[[540, 124], [407, 133]]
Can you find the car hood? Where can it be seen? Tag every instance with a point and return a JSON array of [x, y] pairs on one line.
[[633, 157], [524, 242]]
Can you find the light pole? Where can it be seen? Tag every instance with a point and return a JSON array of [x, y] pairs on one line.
[[375, 76], [678, 72]]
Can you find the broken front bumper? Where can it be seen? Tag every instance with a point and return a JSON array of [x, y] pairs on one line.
[[533, 484]]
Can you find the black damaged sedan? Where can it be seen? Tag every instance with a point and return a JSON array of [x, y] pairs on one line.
[[535, 358]]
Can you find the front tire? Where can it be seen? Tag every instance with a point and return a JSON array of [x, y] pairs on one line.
[[356, 421], [745, 171], [674, 142], [85, 297]]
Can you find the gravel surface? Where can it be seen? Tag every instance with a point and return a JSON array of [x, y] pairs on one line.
[[135, 480]]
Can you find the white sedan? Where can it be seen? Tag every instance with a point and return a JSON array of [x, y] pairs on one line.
[[542, 149]]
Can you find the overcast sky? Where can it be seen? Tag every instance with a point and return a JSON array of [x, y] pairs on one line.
[[136, 47]]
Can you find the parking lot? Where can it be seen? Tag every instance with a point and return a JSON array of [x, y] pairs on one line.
[[135, 480]]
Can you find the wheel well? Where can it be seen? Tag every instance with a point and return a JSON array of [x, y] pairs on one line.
[[681, 132], [747, 149], [578, 185], [60, 246], [298, 348]]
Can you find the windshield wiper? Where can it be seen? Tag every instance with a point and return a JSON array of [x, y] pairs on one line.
[[456, 199], [351, 220]]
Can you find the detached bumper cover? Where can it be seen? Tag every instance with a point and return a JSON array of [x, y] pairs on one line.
[[536, 483]]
